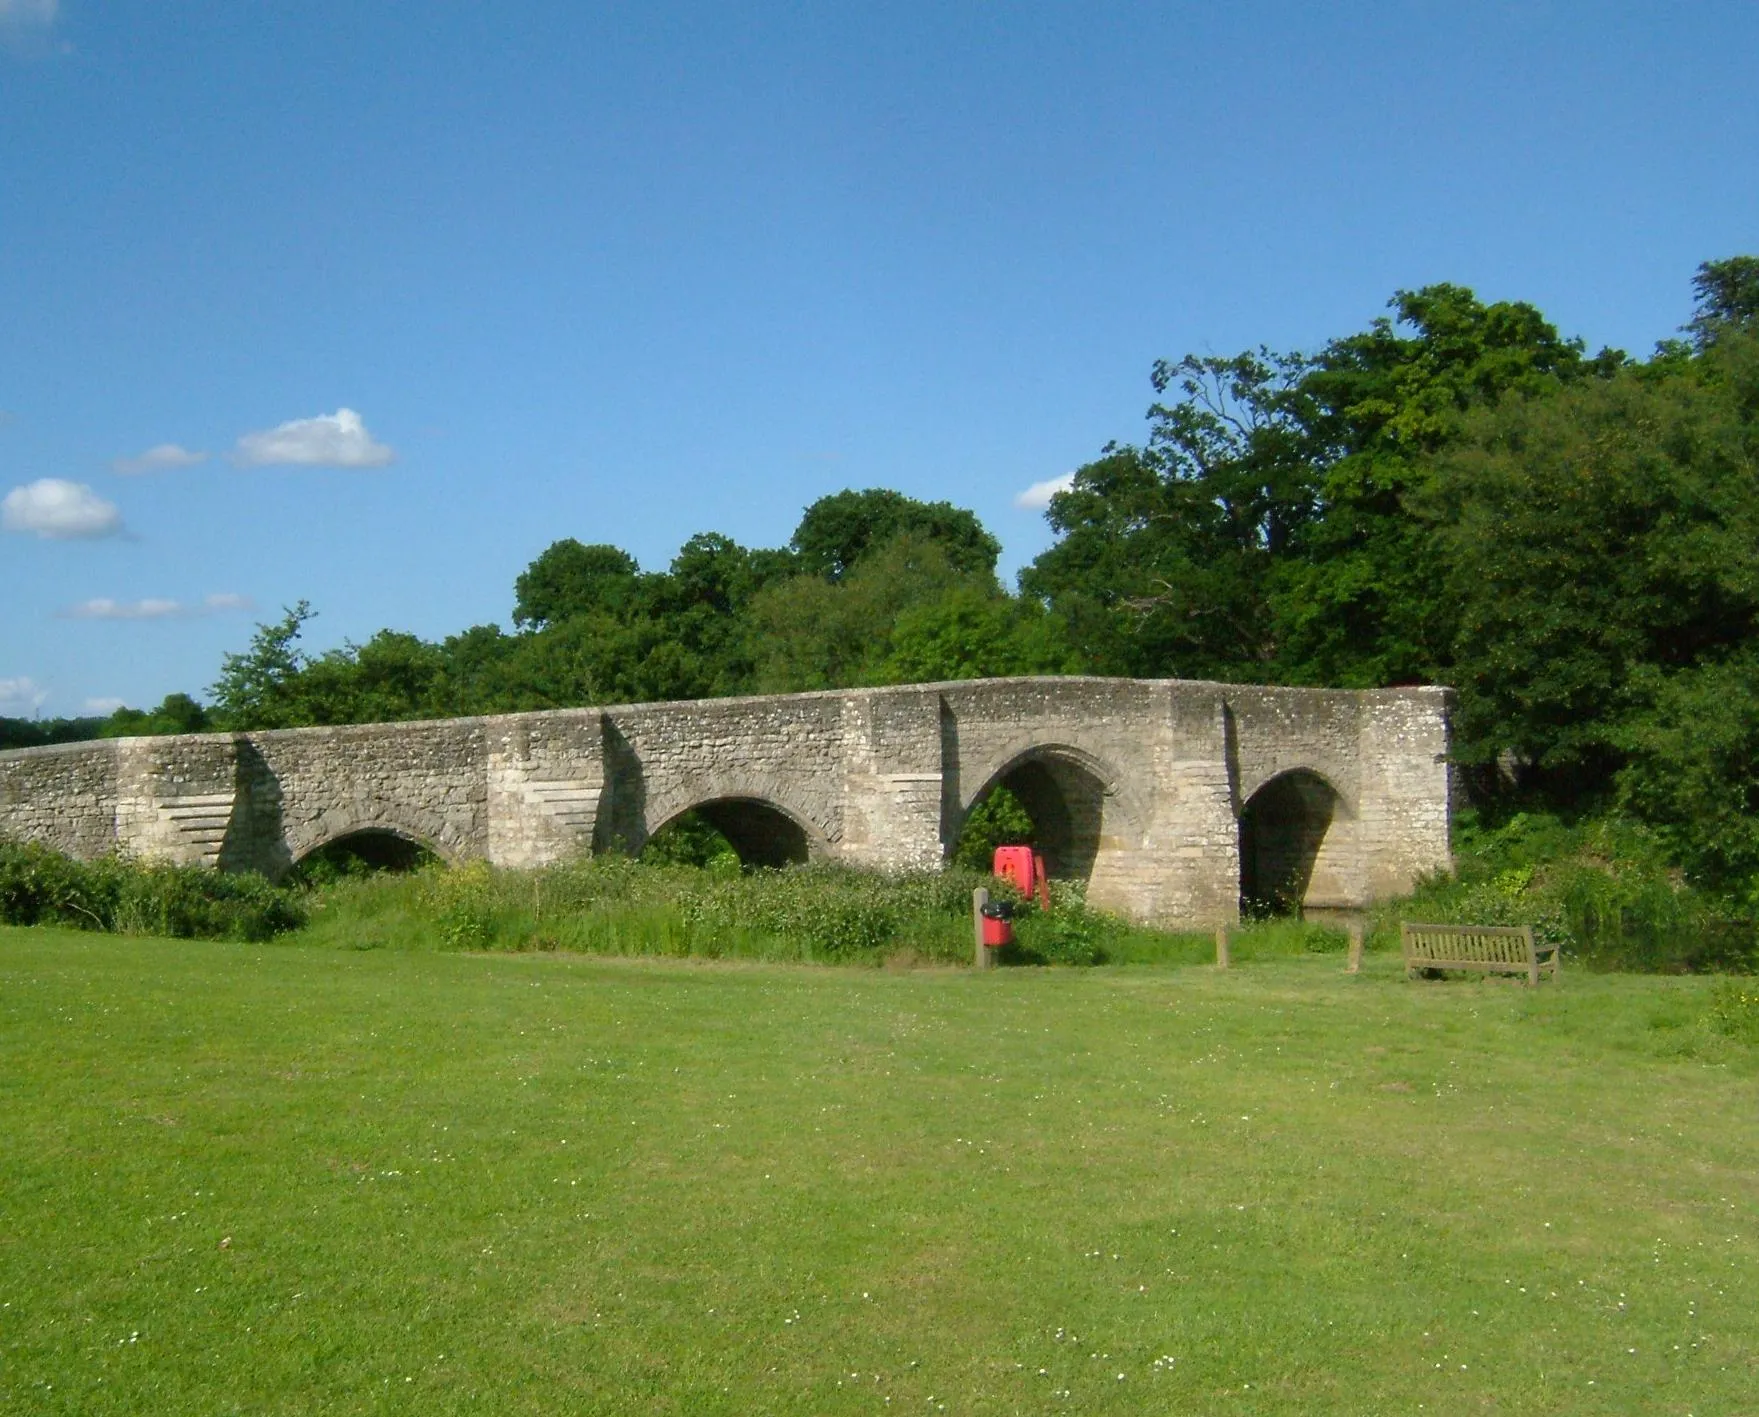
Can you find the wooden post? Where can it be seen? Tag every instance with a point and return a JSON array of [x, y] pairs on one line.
[[979, 899], [1221, 947], [1355, 964]]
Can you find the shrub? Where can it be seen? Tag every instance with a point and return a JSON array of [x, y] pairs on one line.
[[998, 819], [462, 904], [39, 886], [1602, 888], [1070, 932]]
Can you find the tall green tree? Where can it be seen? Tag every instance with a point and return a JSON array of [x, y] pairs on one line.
[[1599, 541], [176, 713], [1266, 530], [255, 687], [837, 531], [571, 579], [1727, 296]]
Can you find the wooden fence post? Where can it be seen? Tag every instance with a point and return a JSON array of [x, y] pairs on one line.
[[979, 899], [1355, 964], [1221, 947]]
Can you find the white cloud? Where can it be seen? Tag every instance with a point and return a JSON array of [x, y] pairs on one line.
[[153, 608], [160, 458], [21, 698], [28, 14], [59, 510], [1038, 496], [336, 439], [104, 706]]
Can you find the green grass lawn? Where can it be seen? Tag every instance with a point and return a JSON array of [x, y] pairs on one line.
[[279, 1178]]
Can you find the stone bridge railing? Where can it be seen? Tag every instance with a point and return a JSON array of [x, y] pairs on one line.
[[1171, 798]]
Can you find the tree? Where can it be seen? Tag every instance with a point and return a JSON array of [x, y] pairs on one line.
[[998, 819], [36, 732], [973, 632], [1727, 296], [1363, 603], [252, 690], [176, 713], [1693, 770], [393, 676], [837, 531], [1266, 529], [571, 579], [809, 633], [1599, 541]]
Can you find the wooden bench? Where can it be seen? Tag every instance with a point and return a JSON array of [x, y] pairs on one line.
[[1488, 949]]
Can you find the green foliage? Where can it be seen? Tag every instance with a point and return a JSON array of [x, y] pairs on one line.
[[974, 631], [1265, 529], [176, 713], [612, 905], [1603, 887], [833, 914], [570, 579], [252, 690], [811, 633], [463, 904], [1693, 770], [42, 887], [40, 732], [998, 819], [362, 854], [1598, 541], [1068, 933], [691, 840], [838, 532], [1727, 295]]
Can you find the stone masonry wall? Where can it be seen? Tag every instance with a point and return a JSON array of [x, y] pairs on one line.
[[1150, 776]]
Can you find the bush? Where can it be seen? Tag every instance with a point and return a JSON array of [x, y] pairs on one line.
[[43, 887], [610, 904], [1603, 889], [998, 819], [462, 904], [1069, 932]]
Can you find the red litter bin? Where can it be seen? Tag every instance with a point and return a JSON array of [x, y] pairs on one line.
[[998, 924]]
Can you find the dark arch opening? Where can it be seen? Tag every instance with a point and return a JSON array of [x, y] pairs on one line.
[[368, 852], [1282, 828], [759, 834], [1065, 803]]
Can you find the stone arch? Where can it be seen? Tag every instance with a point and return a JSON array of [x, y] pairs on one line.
[[761, 820], [382, 848], [1073, 799], [1283, 828], [335, 827], [762, 833]]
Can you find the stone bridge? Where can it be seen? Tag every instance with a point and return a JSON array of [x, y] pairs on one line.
[[1173, 800]]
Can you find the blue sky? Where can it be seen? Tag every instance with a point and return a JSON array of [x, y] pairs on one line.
[[432, 285]]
